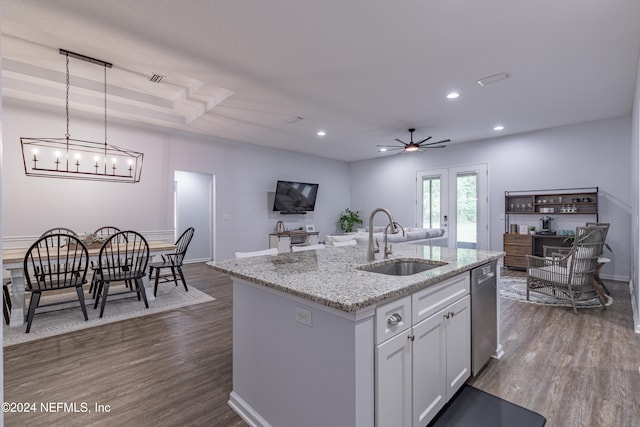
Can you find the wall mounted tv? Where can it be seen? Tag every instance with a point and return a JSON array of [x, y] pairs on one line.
[[295, 197]]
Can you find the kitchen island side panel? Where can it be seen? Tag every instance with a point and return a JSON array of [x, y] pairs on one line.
[[287, 373]]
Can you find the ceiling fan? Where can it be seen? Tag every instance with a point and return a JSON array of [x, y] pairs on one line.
[[413, 146]]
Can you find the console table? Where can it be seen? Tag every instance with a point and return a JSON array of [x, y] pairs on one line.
[[284, 241]]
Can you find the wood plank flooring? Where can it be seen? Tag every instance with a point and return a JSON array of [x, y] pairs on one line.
[[576, 370], [174, 368]]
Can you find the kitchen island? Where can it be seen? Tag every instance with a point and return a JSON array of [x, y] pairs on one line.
[[310, 329]]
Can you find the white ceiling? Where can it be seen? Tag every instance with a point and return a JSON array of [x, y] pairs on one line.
[[362, 70]]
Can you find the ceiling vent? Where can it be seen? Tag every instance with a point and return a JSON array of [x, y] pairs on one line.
[[294, 119], [493, 78], [157, 78]]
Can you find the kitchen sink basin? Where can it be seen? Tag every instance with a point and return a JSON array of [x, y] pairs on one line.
[[402, 267]]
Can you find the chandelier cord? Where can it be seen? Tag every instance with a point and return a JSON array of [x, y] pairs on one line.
[[105, 118], [67, 135], [105, 105]]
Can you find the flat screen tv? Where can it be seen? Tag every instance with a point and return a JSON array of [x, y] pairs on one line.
[[295, 197]]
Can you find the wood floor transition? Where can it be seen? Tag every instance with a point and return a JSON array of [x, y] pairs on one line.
[[174, 368]]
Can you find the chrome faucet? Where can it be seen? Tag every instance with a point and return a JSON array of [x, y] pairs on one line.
[[371, 256], [394, 230]]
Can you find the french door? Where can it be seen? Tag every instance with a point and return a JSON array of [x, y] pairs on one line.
[[455, 199]]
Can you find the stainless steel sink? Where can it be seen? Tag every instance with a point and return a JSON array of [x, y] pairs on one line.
[[402, 267]]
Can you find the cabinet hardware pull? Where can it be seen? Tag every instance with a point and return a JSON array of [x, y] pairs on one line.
[[394, 319], [451, 313], [412, 337]]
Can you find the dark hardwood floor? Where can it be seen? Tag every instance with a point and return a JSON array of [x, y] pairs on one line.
[[174, 368], [576, 370], [166, 369]]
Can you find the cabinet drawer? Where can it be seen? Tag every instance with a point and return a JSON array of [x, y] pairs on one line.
[[515, 261], [432, 299], [518, 250], [517, 239], [393, 318]]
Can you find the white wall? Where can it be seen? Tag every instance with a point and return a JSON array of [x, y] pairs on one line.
[[245, 177], [585, 155], [635, 191]]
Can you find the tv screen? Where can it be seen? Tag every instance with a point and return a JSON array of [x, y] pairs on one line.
[[295, 196]]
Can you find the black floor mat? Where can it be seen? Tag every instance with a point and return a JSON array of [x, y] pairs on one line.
[[475, 408]]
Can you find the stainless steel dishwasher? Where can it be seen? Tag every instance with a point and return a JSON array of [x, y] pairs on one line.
[[484, 331]]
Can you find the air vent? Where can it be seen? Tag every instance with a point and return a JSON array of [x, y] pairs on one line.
[[294, 119], [493, 78], [156, 78]]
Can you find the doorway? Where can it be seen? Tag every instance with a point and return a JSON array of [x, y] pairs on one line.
[[455, 199], [194, 195]]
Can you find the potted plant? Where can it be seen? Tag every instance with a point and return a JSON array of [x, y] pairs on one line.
[[532, 229], [348, 219]]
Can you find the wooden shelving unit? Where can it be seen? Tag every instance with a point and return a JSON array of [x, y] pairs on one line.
[[569, 201]]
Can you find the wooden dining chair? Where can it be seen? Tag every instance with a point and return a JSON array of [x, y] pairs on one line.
[[59, 230], [54, 262], [123, 258], [106, 231], [172, 262], [100, 235], [6, 301]]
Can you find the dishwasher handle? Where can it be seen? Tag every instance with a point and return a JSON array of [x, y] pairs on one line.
[[486, 277]]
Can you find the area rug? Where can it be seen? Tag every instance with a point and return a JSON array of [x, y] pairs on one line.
[[473, 407], [515, 288], [47, 324]]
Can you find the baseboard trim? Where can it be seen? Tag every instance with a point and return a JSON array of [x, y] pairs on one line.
[[614, 277], [634, 307], [245, 411], [499, 352], [197, 261]]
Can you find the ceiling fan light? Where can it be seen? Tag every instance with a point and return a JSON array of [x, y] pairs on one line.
[[411, 148]]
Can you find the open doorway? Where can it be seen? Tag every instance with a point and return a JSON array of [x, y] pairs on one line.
[[194, 195]]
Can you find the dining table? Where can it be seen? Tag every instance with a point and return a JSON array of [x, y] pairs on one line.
[[13, 261]]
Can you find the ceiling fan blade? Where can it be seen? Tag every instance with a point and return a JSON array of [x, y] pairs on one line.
[[400, 141], [439, 142], [424, 140], [389, 146], [439, 146]]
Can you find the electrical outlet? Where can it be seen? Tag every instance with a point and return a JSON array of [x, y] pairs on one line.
[[303, 316]]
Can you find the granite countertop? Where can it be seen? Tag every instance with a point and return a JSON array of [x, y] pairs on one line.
[[329, 276]]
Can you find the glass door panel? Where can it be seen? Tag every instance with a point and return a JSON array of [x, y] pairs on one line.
[[455, 199], [467, 210]]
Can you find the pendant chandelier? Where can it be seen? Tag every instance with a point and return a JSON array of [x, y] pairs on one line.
[[79, 159]]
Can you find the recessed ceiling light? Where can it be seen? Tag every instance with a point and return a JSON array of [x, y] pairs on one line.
[[321, 133], [453, 95], [498, 127]]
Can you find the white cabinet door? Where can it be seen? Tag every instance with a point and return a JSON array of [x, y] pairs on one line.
[[458, 344], [429, 367], [393, 382]]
